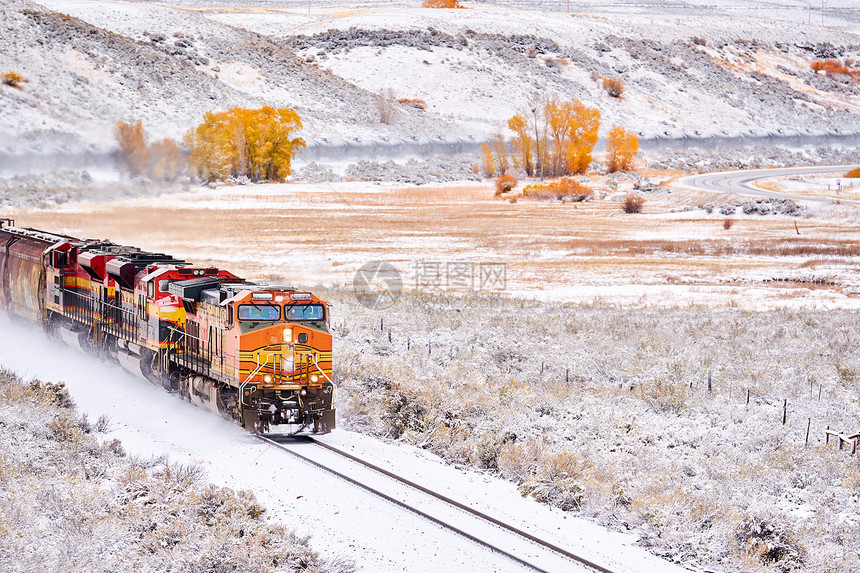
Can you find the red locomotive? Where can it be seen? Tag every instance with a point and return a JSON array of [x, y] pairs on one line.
[[259, 355]]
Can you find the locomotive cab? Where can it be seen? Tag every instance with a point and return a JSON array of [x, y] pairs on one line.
[[284, 356]]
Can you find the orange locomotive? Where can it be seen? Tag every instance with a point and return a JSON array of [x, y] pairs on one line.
[[259, 355]]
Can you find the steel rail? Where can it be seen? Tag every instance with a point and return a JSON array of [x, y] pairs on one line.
[[440, 497]]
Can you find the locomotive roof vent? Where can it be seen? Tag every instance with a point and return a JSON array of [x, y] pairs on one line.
[[281, 288], [191, 289]]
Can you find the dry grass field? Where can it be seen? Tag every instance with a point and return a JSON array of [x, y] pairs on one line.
[[672, 253]]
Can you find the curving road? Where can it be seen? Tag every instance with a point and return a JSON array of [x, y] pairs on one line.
[[741, 182]]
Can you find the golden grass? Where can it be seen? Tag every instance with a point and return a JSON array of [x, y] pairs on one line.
[[544, 243]]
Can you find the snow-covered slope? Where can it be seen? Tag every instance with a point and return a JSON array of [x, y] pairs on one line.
[[341, 519], [690, 67]]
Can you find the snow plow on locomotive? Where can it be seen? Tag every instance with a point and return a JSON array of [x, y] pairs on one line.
[[257, 354]]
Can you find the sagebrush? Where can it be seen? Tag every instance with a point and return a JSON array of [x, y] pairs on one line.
[[71, 501], [634, 417]]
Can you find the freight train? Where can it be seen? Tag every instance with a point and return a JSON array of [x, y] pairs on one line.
[[260, 355]]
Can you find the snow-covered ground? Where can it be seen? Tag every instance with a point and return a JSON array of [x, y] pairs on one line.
[[166, 63], [341, 519]]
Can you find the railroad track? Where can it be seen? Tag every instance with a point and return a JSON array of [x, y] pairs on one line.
[[283, 444]]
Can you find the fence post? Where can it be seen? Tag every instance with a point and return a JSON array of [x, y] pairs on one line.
[[808, 424], [709, 380], [784, 411]]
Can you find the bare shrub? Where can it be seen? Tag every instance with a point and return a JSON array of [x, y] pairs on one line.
[[613, 86], [727, 223], [633, 203], [664, 396], [64, 428], [385, 105], [102, 425], [770, 542], [557, 482], [183, 474], [12, 79], [847, 373], [699, 41], [505, 183], [486, 451], [519, 461], [404, 411]]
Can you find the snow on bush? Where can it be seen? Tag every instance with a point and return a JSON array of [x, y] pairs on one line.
[[71, 501], [635, 418]]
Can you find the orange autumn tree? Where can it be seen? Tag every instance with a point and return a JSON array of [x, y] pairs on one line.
[[133, 155], [582, 125], [441, 4], [565, 133], [253, 143], [522, 144], [488, 164], [621, 149], [161, 161]]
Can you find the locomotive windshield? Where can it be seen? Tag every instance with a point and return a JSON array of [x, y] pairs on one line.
[[259, 312], [305, 312]]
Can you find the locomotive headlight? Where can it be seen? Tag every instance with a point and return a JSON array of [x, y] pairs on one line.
[[267, 378], [288, 334], [304, 392], [314, 378]]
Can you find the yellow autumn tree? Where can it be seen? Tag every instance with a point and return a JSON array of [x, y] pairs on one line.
[[583, 124], [561, 133], [621, 149], [488, 164], [253, 143], [501, 150], [133, 155], [522, 143]]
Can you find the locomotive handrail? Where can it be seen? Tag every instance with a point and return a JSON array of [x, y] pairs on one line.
[[314, 356], [184, 334], [260, 367]]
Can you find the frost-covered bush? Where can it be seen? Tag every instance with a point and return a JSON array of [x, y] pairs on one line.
[[608, 412], [70, 502]]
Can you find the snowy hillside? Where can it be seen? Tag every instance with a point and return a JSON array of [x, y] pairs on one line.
[[721, 68]]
